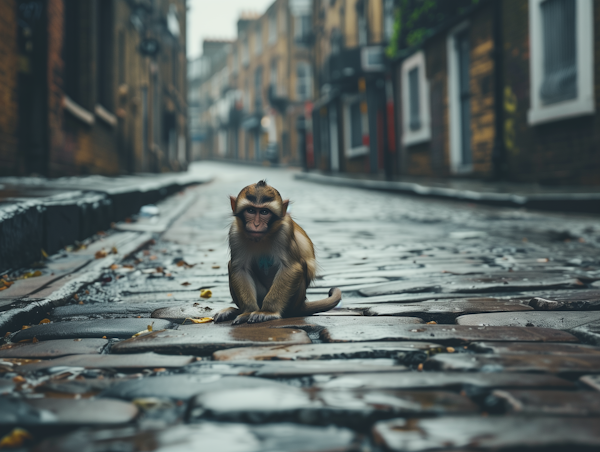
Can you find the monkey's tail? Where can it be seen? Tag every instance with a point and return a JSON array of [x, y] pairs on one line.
[[335, 296]]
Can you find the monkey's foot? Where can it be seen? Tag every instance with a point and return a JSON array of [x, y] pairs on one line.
[[226, 314], [263, 316], [242, 318]]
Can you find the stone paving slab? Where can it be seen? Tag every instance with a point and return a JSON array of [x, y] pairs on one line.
[[556, 403], [593, 381], [205, 339], [535, 348], [346, 407], [555, 364], [111, 328], [209, 436], [442, 333], [60, 411], [488, 433], [447, 310], [507, 282], [85, 387], [132, 361], [6, 386], [542, 319], [292, 369], [323, 351], [179, 313], [106, 310], [53, 349], [183, 387], [589, 333], [580, 300], [443, 380]]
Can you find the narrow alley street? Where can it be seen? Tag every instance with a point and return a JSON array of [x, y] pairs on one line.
[[462, 326]]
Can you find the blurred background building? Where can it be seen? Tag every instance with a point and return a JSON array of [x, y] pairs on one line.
[[92, 86], [485, 89]]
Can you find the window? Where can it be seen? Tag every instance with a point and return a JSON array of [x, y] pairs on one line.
[[258, 40], [388, 20], [459, 81], [273, 27], [562, 55], [302, 28], [273, 76], [361, 25], [303, 80], [72, 50], [104, 63], [258, 74], [356, 127], [415, 100], [245, 52]]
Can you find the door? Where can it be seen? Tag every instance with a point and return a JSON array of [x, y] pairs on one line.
[[333, 139]]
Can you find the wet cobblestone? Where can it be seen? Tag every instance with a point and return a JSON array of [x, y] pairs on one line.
[[461, 326]]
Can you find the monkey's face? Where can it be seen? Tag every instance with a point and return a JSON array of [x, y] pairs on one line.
[[257, 220]]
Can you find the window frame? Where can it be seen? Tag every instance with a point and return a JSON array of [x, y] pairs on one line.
[[423, 134], [584, 103], [349, 151]]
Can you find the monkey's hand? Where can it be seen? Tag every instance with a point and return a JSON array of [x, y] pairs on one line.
[[226, 314], [263, 316]]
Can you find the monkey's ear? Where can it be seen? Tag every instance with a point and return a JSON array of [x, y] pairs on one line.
[[233, 200], [284, 207]]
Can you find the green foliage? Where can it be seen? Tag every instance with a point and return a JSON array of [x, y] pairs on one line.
[[414, 20]]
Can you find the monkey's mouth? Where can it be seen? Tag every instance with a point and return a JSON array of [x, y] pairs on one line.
[[256, 234]]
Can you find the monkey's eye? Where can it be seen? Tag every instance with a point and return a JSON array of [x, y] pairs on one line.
[[265, 212], [251, 211]]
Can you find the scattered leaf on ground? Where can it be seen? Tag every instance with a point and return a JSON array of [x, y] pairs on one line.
[[450, 349], [101, 254], [35, 340], [24, 327], [81, 302], [420, 367], [206, 293], [44, 254], [44, 321], [185, 284], [433, 322], [152, 258], [15, 439], [19, 379], [114, 267], [114, 250], [200, 320], [216, 266]]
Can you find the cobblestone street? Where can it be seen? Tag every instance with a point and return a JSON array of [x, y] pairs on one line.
[[462, 327]]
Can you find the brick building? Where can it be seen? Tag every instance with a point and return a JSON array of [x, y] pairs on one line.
[[503, 89], [99, 86], [255, 90]]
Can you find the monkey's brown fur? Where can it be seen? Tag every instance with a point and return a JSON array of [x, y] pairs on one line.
[[272, 261]]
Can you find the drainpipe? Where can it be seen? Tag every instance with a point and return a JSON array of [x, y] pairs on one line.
[[499, 164]]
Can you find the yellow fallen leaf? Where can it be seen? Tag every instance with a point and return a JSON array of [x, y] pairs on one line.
[[206, 293], [44, 254], [216, 266], [450, 349], [14, 439], [24, 327], [200, 320], [144, 332], [114, 250], [44, 321], [150, 326], [35, 340], [100, 254], [433, 322], [114, 267], [36, 274]]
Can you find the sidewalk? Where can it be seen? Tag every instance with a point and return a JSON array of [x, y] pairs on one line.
[[41, 214], [531, 196]]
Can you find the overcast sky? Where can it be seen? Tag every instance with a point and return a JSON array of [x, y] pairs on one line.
[[216, 19]]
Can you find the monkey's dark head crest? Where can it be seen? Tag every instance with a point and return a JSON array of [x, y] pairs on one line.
[[260, 194]]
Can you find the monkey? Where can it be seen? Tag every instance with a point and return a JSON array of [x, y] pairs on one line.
[[272, 261]]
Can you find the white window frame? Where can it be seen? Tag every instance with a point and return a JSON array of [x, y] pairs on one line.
[[584, 104], [456, 164], [349, 151], [410, 137]]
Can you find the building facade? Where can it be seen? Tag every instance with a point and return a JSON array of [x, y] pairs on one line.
[[99, 87], [504, 89]]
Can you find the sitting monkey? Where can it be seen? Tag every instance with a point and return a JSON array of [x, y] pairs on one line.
[[272, 261]]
